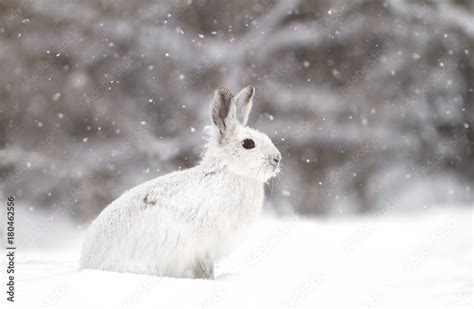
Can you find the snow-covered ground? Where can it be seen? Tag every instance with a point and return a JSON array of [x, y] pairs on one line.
[[394, 260]]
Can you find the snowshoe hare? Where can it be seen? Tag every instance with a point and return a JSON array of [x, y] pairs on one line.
[[180, 224]]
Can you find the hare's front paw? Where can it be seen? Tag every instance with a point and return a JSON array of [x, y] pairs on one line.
[[204, 270]]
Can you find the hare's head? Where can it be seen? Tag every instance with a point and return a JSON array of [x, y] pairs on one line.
[[242, 150]]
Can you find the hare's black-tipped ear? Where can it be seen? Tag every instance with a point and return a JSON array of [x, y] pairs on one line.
[[223, 110], [244, 102]]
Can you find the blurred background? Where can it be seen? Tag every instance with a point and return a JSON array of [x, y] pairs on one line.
[[370, 102]]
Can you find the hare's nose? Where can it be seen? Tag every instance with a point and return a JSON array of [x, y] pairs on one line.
[[277, 158]]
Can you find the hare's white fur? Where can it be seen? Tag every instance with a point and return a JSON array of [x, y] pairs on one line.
[[180, 224]]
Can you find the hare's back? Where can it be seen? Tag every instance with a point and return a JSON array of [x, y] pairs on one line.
[[160, 191]]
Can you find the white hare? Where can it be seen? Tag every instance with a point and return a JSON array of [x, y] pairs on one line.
[[180, 224]]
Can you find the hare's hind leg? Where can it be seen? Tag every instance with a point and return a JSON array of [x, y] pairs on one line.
[[204, 269]]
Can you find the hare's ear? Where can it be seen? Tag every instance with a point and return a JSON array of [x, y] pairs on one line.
[[244, 102], [223, 110]]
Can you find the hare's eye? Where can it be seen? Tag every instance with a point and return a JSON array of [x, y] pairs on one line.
[[248, 143]]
